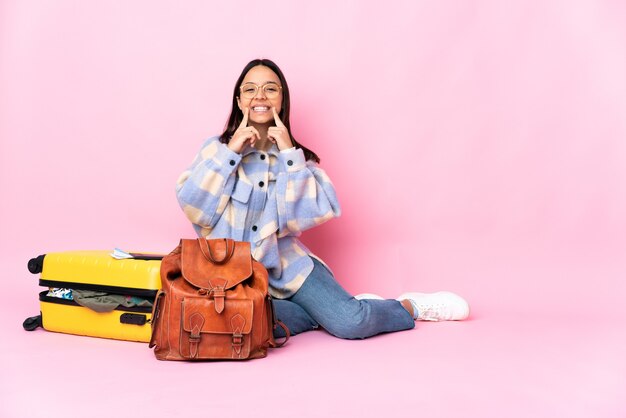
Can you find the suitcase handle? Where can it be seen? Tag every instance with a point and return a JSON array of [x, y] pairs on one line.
[[133, 319]]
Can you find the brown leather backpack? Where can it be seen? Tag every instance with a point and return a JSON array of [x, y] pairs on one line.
[[213, 304]]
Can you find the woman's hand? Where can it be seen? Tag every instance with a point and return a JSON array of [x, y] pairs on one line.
[[243, 135], [279, 134]]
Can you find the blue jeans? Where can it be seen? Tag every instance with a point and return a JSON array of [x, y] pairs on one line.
[[321, 301]]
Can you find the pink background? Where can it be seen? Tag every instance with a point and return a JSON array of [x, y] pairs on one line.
[[475, 146]]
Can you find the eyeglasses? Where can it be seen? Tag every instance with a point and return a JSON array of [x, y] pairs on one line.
[[250, 90]]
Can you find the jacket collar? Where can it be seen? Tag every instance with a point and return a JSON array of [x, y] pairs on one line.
[[251, 150]]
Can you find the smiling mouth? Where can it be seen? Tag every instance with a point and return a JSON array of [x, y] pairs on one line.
[[260, 109]]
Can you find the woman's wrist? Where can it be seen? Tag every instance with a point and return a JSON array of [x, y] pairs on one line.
[[233, 147]]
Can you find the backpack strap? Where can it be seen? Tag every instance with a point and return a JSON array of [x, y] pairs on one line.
[[277, 323], [273, 343]]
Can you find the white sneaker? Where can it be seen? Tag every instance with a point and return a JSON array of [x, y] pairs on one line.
[[438, 306], [368, 296]]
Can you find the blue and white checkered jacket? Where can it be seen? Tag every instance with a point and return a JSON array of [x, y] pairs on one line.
[[265, 198]]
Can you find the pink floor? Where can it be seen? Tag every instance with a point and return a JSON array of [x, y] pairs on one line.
[[565, 359]]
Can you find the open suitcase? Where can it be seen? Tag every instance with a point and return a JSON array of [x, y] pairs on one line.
[[137, 277]]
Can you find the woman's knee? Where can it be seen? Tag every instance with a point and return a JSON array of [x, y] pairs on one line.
[[354, 326]]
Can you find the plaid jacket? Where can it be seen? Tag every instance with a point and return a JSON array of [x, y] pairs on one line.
[[265, 198]]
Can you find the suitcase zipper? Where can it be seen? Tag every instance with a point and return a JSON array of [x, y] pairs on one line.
[[144, 293]]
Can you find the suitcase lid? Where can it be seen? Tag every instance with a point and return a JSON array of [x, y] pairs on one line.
[[93, 270]]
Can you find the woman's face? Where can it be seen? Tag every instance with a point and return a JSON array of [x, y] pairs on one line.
[[260, 104]]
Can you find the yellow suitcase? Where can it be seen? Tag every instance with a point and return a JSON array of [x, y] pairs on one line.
[[96, 271]]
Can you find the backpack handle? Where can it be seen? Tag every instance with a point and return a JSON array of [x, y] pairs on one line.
[[205, 248]]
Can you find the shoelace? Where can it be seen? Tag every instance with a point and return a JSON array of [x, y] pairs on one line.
[[432, 312]]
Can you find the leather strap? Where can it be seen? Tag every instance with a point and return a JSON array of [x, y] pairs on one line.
[[156, 313], [205, 248], [237, 322], [276, 322], [218, 297], [218, 292], [274, 344], [195, 322]]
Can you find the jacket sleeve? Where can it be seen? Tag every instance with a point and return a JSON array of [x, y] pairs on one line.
[[204, 189], [304, 193]]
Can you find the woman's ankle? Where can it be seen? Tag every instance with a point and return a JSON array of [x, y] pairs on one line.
[[406, 304]]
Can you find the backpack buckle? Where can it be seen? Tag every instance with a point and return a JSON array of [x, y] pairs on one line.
[[219, 293]]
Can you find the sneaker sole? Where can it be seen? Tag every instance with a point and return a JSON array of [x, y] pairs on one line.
[[461, 314]]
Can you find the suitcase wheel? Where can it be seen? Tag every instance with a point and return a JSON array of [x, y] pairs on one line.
[[35, 265], [32, 323]]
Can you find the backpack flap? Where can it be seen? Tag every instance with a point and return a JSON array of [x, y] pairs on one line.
[[207, 334], [222, 263]]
